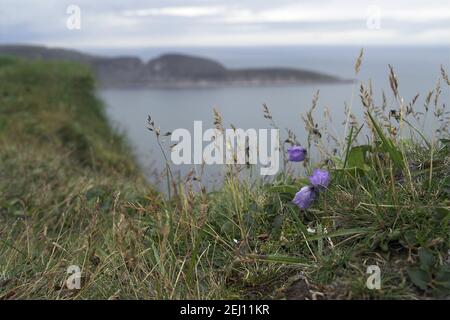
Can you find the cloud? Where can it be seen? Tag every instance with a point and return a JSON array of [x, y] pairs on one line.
[[135, 23], [191, 12], [303, 13]]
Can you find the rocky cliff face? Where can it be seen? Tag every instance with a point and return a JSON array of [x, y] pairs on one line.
[[168, 70], [177, 66], [117, 72]]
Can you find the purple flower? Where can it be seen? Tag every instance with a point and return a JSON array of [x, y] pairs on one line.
[[319, 179], [296, 153], [305, 197]]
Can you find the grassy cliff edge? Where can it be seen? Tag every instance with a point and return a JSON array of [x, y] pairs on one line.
[[71, 194]]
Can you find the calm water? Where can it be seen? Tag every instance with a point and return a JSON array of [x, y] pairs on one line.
[[417, 70]]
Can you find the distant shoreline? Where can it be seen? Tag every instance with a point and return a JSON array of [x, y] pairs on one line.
[[172, 70], [218, 85]]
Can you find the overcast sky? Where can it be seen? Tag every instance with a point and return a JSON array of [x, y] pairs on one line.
[[134, 23]]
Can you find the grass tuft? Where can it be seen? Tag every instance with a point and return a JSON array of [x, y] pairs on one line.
[[71, 194]]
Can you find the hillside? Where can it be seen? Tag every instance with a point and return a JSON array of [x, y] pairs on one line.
[[71, 195], [169, 70]]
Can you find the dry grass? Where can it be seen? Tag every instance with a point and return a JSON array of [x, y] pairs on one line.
[[71, 195]]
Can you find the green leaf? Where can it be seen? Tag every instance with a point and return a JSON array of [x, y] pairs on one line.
[[442, 215], [410, 238], [443, 277], [445, 141], [289, 189], [227, 227], [388, 145], [349, 144], [427, 259], [357, 157], [419, 277]]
